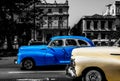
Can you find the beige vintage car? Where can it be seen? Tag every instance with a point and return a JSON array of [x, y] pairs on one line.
[[95, 64]]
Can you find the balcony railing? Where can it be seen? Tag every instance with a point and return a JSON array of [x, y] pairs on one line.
[[53, 27], [103, 40], [100, 30]]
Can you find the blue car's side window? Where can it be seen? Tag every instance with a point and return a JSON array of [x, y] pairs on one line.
[[56, 43], [83, 43], [70, 42]]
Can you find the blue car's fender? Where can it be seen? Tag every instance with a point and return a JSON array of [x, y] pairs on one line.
[[37, 57]]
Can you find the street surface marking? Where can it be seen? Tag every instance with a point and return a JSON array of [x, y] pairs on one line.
[[29, 80], [45, 79], [18, 72]]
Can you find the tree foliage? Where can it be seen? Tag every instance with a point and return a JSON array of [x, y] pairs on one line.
[[7, 24]]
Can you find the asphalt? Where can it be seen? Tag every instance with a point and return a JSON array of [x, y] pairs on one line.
[[7, 62]]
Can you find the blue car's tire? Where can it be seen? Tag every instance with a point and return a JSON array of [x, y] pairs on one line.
[[27, 64]]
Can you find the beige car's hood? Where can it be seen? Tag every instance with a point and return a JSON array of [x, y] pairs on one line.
[[96, 51]]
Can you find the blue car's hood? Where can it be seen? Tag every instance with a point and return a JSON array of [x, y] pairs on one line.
[[33, 47]]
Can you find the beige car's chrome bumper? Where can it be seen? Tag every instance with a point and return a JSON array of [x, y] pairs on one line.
[[70, 69]]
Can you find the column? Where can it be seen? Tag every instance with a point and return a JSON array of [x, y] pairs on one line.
[[99, 25], [99, 38], [43, 36], [84, 25], [92, 25], [114, 27], [106, 25], [32, 34]]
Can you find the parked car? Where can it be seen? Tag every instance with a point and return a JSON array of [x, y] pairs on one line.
[[57, 52], [95, 64]]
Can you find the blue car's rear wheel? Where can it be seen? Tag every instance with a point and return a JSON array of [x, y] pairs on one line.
[[27, 64]]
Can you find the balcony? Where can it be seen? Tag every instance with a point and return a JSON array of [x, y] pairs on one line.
[[57, 13]]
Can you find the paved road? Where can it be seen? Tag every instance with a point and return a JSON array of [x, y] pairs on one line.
[[15, 73], [11, 72]]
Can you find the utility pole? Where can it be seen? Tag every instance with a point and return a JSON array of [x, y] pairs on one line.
[[34, 22]]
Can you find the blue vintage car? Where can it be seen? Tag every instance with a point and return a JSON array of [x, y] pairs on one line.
[[57, 52]]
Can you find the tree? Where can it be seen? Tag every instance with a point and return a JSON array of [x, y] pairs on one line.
[[77, 29], [7, 24], [8, 27]]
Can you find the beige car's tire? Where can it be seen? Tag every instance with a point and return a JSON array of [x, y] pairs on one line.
[[93, 75]]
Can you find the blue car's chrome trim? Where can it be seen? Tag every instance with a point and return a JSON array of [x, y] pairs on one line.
[[73, 37]]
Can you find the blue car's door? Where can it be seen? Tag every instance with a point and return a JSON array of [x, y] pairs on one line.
[[57, 51], [59, 54], [62, 55], [70, 44], [61, 50], [68, 51]]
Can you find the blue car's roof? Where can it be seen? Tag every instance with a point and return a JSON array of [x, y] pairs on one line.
[[73, 37], [67, 37]]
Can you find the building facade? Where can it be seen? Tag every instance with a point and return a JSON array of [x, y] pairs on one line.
[[102, 29], [48, 19]]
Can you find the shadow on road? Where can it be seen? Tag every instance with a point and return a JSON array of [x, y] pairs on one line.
[[8, 62], [47, 68]]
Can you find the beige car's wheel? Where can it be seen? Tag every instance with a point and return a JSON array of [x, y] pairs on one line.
[[93, 75]]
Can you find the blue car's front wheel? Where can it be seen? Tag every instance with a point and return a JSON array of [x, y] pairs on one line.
[[28, 64]]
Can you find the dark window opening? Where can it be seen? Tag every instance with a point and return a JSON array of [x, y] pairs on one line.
[[60, 10], [110, 25], [88, 24], [102, 24], [95, 25], [49, 10], [60, 22], [49, 21]]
